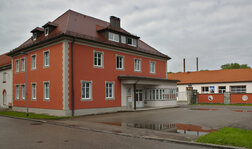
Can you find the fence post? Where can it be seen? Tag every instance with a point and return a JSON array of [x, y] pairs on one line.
[[226, 98]]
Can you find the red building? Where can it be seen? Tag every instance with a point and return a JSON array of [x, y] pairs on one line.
[[79, 65]]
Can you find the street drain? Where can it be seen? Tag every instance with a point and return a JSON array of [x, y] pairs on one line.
[[40, 142]]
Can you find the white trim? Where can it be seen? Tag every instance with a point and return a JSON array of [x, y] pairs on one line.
[[102, 59], [113, 37], [22, 95], [44, 98], [16, 70], [17, 97], [90, 90], [65, 78], [140, 63], [22, 70], [113, 90], [47, 31], [46, 66], [122, 62], [35, 61], [153, 62], [32, 83]]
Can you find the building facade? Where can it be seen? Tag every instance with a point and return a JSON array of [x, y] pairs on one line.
[[234, 81], [82, 65], [5, 81]]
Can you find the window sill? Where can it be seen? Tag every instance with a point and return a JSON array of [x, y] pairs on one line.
[[83, 100], [98, 66], [112, 98]]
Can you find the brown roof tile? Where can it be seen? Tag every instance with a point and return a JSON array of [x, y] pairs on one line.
[[215, 76], [4, 60], [78, 25]]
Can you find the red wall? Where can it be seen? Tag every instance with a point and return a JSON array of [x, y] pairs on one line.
[[217, 98], [53, 74], [84, 70], [237, 98]]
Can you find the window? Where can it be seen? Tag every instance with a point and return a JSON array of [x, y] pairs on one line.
[[123, 39], [34, 90], [205, 89], [17, 65], [109, 90], [86, 90], [17, 91], [4, 77], [222, 89], [46, 58], [46, 91], [137, 65], [152, 67], [98, 59], [33, 62], [23, 92], [113, 37], [22, 64], [132, 42], [238, 89], [46, 31], [34, 36], [119, 62]]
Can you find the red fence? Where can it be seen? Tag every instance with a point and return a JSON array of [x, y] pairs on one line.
[[211, 98], [219, 98]]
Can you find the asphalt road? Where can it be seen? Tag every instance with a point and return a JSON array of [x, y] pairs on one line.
[[24, 134]]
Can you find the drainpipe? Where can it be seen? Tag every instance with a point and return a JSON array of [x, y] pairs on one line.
[[72, 65], [134, 86]]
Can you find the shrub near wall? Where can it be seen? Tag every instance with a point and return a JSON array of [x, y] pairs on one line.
[[211, 98], [241, 98]]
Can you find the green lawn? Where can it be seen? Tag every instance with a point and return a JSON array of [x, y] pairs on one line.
[[31, 115], [221, 104], [229, 136]]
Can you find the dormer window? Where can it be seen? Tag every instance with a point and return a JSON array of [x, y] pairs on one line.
[[34, 36], [113, 37], [46, 31], [132, 42], [123, 39]]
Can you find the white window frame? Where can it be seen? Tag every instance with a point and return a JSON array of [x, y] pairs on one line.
[[102, 59], [22, 64], [133, 42], [122, 62], [112, 97], [135, 65], [90, 98], [113, 37], [32, 61], [17, 91], [4, 77], [46, 31], [22, 91], [123, 39], [33, 93], [152, 67], [44, 91], [17, 65], [203, 91], [44, 59], [220, 90], [239, 89], [34, 36]]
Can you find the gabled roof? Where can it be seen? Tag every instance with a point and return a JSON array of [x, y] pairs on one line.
[[215, 76], [77, 25], [4, 61]]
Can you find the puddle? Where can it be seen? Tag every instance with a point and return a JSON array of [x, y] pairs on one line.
[[188, 129], [37, 123], [242, 110], [203, 109]]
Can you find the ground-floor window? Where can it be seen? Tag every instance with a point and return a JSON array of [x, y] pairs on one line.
[[33, 89], [109, 90], [86, 90], [23, 92], [222, 89], [160, 94], [204, 89], [238, 89], [46, 91], [17, 92]]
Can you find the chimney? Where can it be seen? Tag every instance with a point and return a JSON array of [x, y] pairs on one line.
[[115, 22], [197, 63], [184, 64]]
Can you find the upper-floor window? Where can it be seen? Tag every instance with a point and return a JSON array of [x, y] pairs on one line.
[[34, 36], [132, 42], [137, 65], [86, 90], [46, 91], [46, 31], [33, 62], [238, 89], [98, 59], [23, 92], [109, 90], [152, 67], [4, 77], [204, 89], [46, 59], [119, 62], [222, 89], [113, 37], [34, 91], [17, 65], [22, 64], [17, 92], [123, 39]]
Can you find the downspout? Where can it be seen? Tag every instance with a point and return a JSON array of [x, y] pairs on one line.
[[134, 87], [72, 69]]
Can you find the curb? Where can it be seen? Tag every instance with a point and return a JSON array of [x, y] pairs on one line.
[[127, 134]]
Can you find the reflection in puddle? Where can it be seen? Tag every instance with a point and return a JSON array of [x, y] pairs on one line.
[[203, 109], [242, 110], [188, 129]]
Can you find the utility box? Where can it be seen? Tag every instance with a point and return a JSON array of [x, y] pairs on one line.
[[226, 98]]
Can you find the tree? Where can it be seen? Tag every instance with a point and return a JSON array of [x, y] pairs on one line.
[[234, 66]]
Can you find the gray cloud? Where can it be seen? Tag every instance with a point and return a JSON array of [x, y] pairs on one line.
[[216, 31]]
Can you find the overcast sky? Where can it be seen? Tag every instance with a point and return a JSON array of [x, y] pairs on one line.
[[216, 31]]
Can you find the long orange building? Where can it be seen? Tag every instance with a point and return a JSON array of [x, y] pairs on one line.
[[80, 65]]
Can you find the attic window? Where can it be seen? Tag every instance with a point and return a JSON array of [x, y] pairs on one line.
[[113, 37], [46, 31], [34, 36], [132, 42]]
